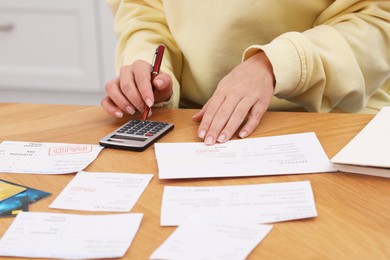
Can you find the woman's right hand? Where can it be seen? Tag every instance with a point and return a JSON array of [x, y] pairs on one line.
[[132, 89]]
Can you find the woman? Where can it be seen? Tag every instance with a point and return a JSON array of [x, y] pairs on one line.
[[237, 59]]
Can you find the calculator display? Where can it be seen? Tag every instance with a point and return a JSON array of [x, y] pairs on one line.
[[136, 135], [127, 137]]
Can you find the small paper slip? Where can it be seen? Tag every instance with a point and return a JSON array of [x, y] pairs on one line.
[[8, 190], [102, 191], [46, 158], [368, 152], [274, 155], [203, 237], [256, 203], [67, 236]]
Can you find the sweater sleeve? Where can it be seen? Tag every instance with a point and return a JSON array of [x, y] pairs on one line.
[[140, 26], [337, 64]]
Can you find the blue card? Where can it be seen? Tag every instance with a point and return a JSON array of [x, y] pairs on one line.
[[20, 201]]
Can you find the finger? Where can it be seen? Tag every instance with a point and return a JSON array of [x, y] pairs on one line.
[[222, 117], [117, 97], [199, 115], [129, 87], [236, 119], [142, 82], [208, 117], [254, 117], [111, 109]]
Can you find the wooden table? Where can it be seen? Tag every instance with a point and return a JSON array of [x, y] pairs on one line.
[[353, 210]]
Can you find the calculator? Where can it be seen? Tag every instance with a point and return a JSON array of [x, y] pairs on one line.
[[136, 135]]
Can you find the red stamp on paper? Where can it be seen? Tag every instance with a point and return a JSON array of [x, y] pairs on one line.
[[63, 150]]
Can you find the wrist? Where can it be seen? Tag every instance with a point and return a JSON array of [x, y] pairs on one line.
[[261, 60]]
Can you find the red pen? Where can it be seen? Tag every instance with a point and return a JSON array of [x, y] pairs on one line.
[[155, 69]]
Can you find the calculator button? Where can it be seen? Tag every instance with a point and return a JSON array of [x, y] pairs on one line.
[[145, 128]]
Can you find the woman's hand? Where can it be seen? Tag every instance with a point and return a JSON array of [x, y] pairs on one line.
[[245, 92], [132, 89]]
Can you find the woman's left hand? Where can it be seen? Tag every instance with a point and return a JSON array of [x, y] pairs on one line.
[[245, 92]]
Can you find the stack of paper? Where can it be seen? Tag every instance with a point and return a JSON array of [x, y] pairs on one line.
[[368, 152]]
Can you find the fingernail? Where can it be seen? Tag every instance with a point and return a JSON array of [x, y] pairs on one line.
[[221, 138], [243, 134], [209, 140], [130, 110], [159, 82], [149, 102], [202, 134], [150, 113], [118, 114]]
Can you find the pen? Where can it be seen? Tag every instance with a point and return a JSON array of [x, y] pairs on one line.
[[155, 69]]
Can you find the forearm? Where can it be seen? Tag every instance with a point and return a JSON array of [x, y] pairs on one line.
[[140, 26], [339, 63]]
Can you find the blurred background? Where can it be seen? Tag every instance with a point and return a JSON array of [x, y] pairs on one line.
[[55, 51]]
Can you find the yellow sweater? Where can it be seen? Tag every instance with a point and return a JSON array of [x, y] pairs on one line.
[[326, 55]]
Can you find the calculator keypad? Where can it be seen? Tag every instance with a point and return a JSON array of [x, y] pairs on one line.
[[142, 128]]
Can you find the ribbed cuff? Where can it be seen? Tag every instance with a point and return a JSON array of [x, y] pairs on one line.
[[286, 63]]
